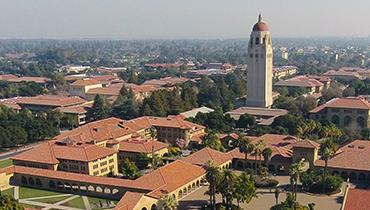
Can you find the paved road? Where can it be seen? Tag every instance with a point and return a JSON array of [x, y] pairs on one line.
[[7, 155]]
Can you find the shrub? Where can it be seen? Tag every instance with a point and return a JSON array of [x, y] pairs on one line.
[[266, 183]]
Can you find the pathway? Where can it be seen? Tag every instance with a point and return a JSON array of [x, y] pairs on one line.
[[86, 202], [16, 192]]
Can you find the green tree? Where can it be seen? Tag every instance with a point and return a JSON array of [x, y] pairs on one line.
[[212, 140], [258, 149], [277, 193], [245, 146], [328, 148], [244, 189], [167, 202], [18, 135], [126, 110], [129, 169], [245, 120], [227, 182], [213, 175], [7, 202], [295, 171], [142, 161], [99, 110], [267, 153]]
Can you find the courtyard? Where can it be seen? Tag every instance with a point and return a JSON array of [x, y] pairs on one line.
[[43, 199], [266, 198]]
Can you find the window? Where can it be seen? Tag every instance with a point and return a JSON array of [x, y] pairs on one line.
[[169, 129], [83, 168], [104, 170], [256, 55], [335, 110], [361, 112], [251, 55], [169, 135], [347, 111], [103, 163], [111, 160], [257, 40], [262, 56], [95, 166], [96, 173]]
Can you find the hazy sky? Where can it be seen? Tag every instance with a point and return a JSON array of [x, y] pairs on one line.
[[157, 19]]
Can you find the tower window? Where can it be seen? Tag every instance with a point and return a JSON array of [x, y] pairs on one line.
[[262, 56], [251, 55], [257, 40], [256, 55]]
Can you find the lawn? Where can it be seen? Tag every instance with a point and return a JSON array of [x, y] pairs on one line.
[[25, 192], [75, 203], [52, 200], [9, 191], [6, 163]]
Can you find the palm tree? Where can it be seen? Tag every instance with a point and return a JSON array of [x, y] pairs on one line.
[[267, 153], [312, 125], [167, 202], [212, 140], [245, 146], [227, 182], [258, 149], [328, 148], [57, 115], [213, 176], [277, 192], [294, 172]]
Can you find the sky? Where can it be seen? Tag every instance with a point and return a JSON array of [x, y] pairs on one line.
[[181, 19]]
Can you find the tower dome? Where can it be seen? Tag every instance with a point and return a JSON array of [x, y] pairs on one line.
[[260, 25]]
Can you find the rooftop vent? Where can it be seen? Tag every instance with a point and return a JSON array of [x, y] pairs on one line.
[[169, 118], [351, 146], [361, 147], [97, 129]]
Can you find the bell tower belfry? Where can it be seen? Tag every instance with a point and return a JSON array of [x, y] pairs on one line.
[[259, 70]]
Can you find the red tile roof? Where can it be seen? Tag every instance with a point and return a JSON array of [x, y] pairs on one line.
[[6, 77], [174, 122], [129, 201], [85, 82], [281, 146], [355, 156], [51, 152], [48, 100], [306, 144], [357, 199], [141, 145], [344, 103], [202, 156], [170, 177]]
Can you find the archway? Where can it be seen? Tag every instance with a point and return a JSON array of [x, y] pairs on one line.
[[361, 122], [24, 180], [198, 184], [115, 191], [60, 185], [344, 175], [107, 190], [347, 120], [91, 188], [249, 165], [271, 168], [75, 187], [280, 169], [368, 177], [180, 194], [67, 186], [99, 189], [194, 145], [335, 173], [239, 165], [335, 119], [83, 188], [193, 187], [11, 180], [184, 191], [154, 207], [361, 177], [31, 181], [353, 176], [144, 208], [52, 184], [189, 189], [264, 165], [38, 182]]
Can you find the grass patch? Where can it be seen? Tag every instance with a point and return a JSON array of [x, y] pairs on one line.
[[6, 163], [29, 206], [75, 203], [25, 192], [9, 191], [52, 200]]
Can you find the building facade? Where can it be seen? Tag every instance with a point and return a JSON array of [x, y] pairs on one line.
[[259, 72]]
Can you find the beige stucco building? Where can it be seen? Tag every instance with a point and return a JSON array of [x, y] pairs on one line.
[[259, 71]]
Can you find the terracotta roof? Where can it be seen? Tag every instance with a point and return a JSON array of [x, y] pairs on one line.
[[166, 80], [62, 175], [51, 152], [10, 103], [78, 109], [306, 144], [174, 122], [170, 177], [141, 145], [129, 201], [6, 77], [112, 91], [281, 145], [300, 83], [349, 103], [260, 26], [354, 156], [198, 138], [48, 100], [85, 82], [106, 77], [202, 156], [7, 170], [357, 199]]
